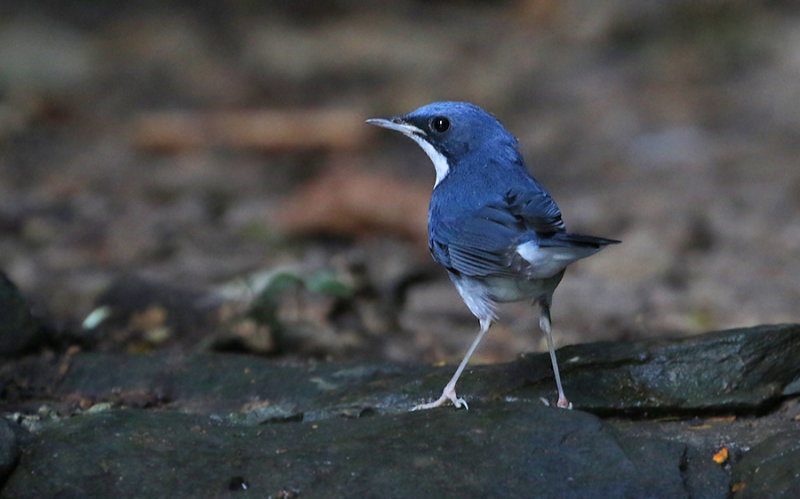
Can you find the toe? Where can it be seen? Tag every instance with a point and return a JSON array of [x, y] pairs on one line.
[[459, 402]]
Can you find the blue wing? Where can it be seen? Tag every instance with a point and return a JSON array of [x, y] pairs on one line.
[[485, 242], [535, 209], [480, 243]]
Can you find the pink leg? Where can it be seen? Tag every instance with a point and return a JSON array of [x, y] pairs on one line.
[[544, 325], [449, 392]]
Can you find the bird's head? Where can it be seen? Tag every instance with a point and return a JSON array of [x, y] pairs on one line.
[[450, 132]]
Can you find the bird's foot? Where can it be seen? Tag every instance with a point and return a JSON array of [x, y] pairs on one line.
[[449, 393], [562, 403]]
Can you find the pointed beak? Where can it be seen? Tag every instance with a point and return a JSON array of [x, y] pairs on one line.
[[397, 123]]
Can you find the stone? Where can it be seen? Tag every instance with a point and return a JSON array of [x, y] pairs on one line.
[[19, 330], [9, 450], [188, 424], [498, 450], [771, 468]]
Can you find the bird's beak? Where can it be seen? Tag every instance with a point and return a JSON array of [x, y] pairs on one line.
[[397, 123]]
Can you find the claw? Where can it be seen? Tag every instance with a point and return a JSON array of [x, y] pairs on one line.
[[449, 393]]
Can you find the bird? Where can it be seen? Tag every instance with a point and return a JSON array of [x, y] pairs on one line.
[[494, 228]]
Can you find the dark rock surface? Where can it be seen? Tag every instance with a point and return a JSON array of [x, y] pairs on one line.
[[19, 331], [9, 450], [496, 450], [114, 425], [741, 370], [771, 468]]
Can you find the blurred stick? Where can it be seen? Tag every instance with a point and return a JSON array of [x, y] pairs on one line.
[[269, 130]]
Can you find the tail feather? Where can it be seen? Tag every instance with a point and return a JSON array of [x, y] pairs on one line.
[[579, 240], [549, 256]]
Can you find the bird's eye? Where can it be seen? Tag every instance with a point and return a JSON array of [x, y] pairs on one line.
[[440, 124]]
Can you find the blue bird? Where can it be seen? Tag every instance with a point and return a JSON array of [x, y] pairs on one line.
[[493, 227]]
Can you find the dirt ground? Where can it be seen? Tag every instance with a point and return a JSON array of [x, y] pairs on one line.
[[194, 148]]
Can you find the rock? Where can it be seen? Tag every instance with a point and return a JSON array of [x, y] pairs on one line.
[[737, 370], [498, 450], [9, 450], [230, 422], [19, 331], [770, 469]]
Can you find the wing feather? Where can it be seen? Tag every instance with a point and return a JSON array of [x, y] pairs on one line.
[[485, 242]]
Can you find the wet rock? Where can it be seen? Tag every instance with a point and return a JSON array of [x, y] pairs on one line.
[[9, 450], [770, 469], [19, 331], [498, 450], [205, 383], [231, 422], [743, 371], [739, 370]]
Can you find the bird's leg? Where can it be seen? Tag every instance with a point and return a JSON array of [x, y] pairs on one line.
[[544, 325], [449, 392]]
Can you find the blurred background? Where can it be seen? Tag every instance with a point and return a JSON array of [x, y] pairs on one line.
[[197, 175]]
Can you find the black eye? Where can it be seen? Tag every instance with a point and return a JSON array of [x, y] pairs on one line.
[[440, 124]]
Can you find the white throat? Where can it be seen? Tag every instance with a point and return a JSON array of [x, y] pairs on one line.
[[438, 159]]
